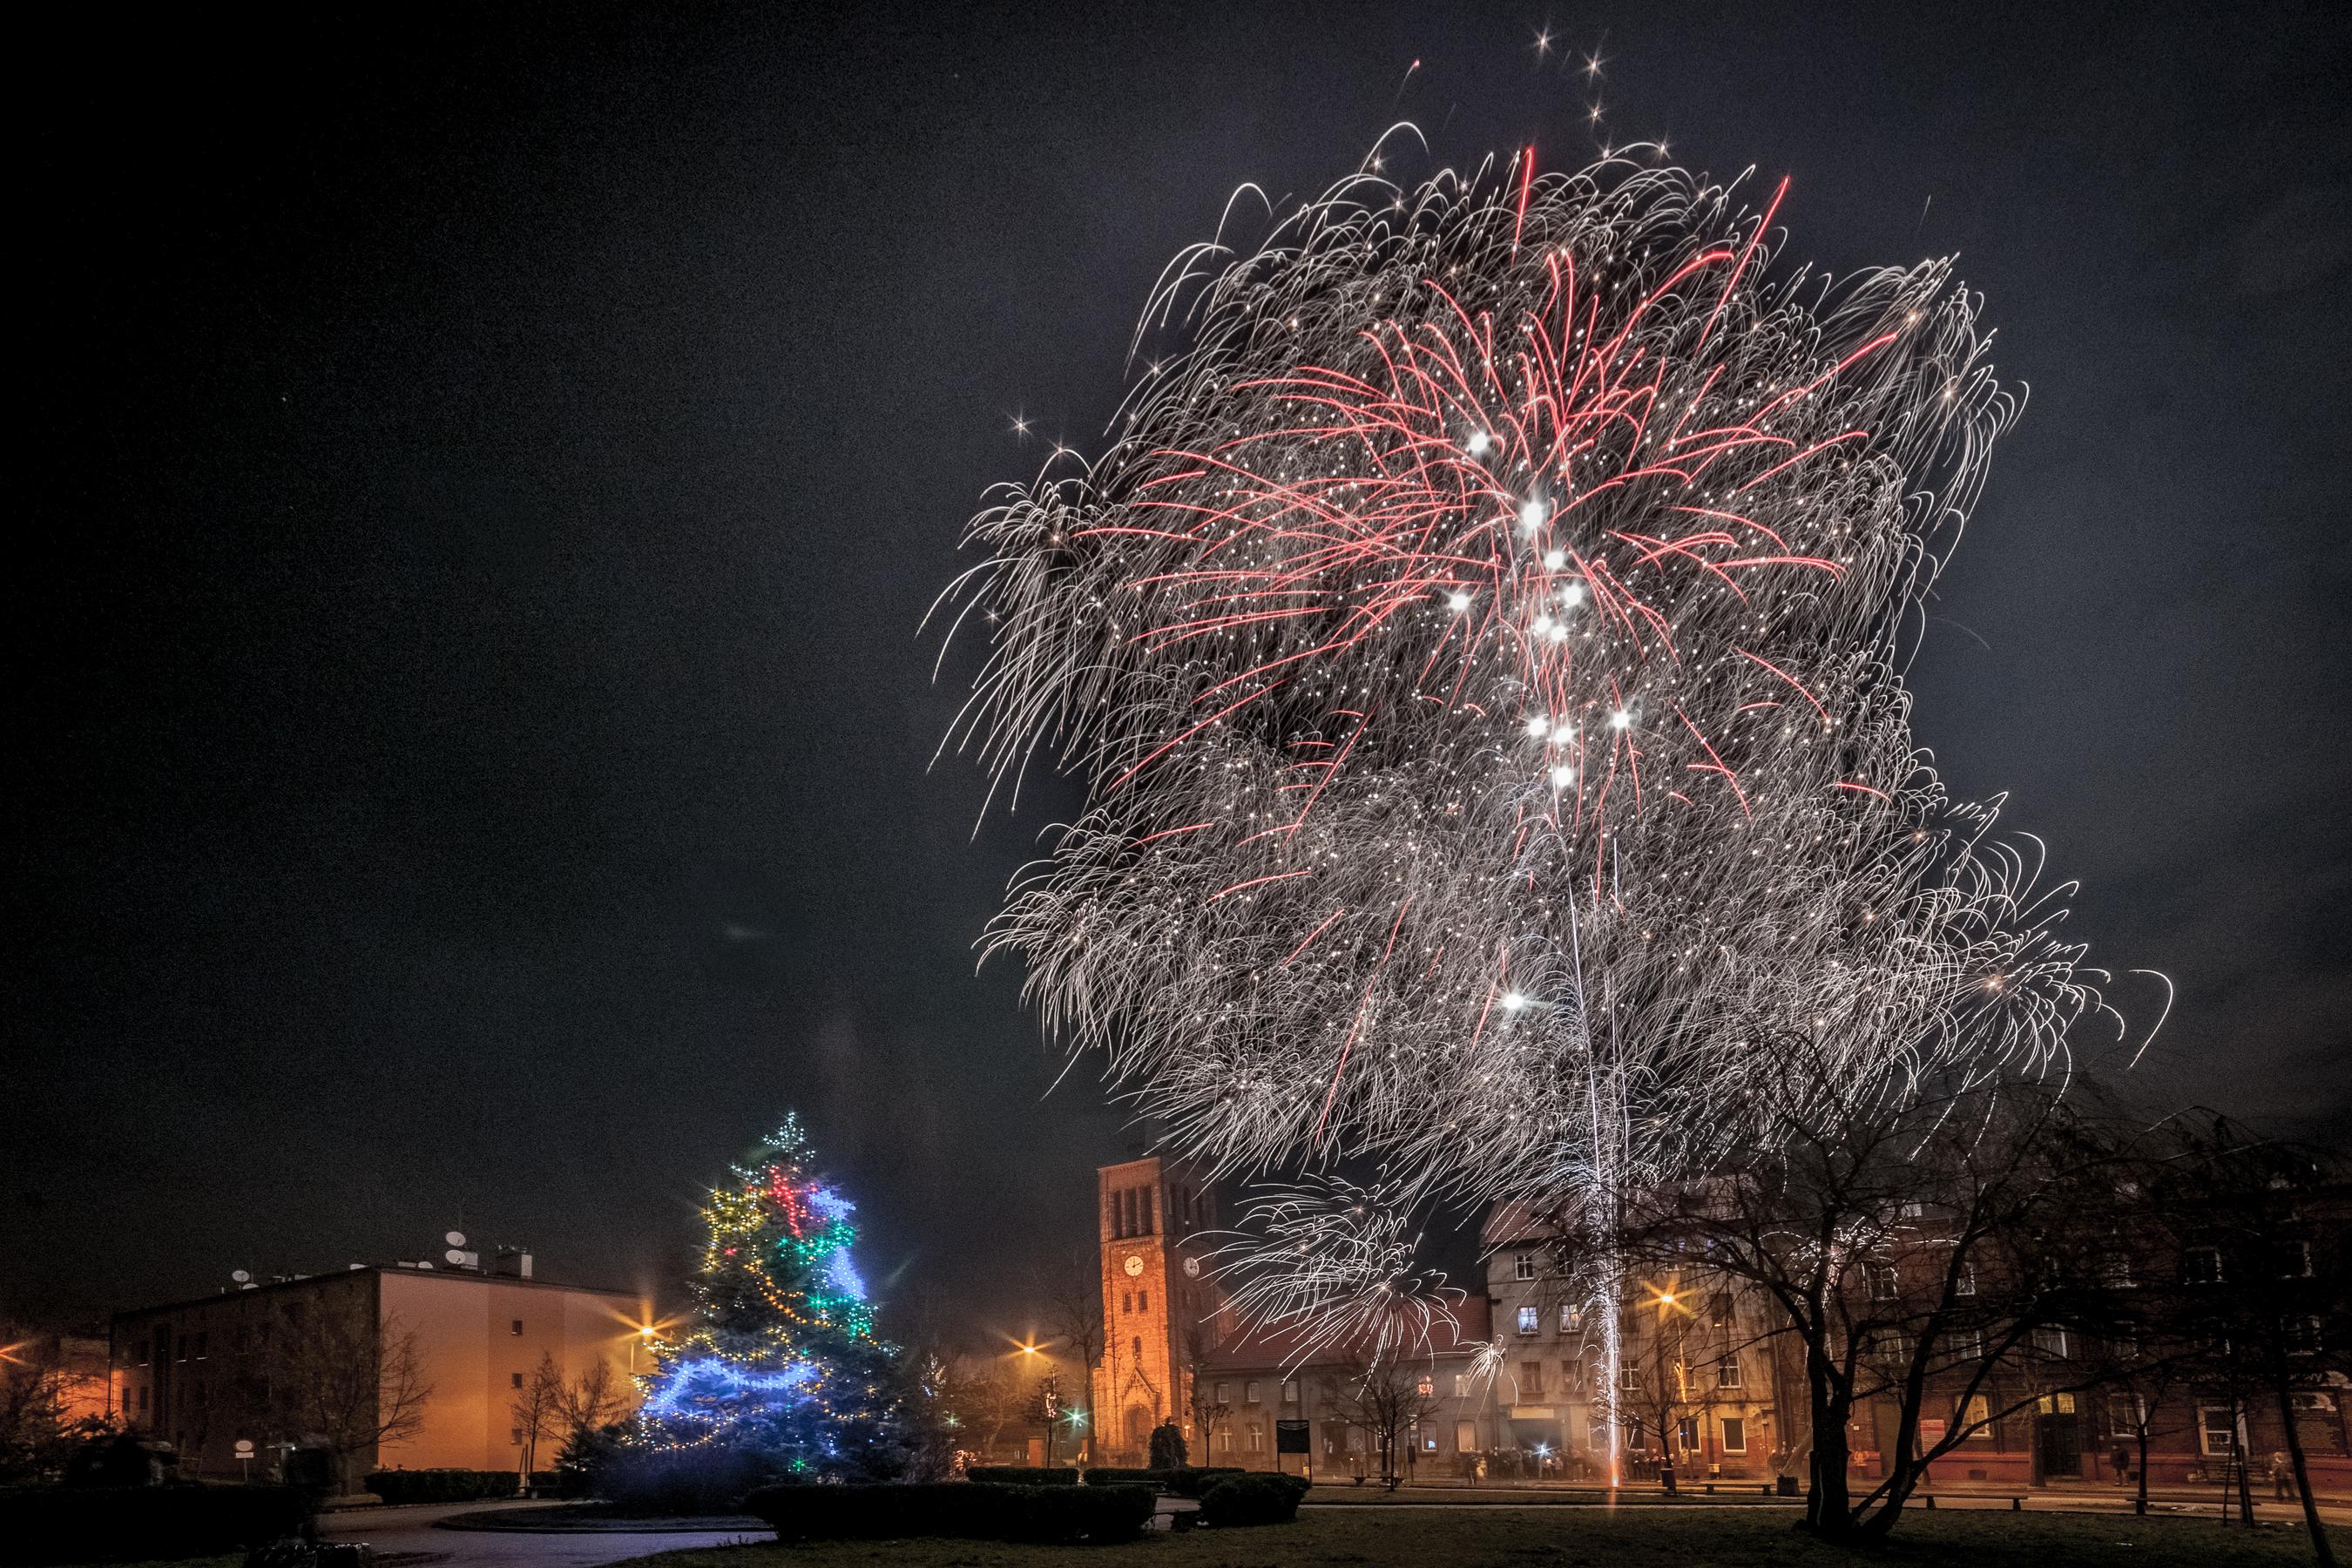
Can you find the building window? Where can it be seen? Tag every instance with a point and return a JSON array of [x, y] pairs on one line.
[[2201, 1266], [1531, 1380], [2303, 1335], [1686, 1434], [1572, 1318], [1727, 1372], [1629, 1378], [1249, 1392], [514, 1380], [1465, 1437], [1257, 1436], [1886, 1283], [1224, 1394], [1966, 1285], [1461, 1385], [516, 1327], [1138, 1347], [2297, 1262], [202, 1340], [1143, 1300], [1976, 1417], [2124, 1412], [514, 1435], [1290, 1392], [2051, 1341], [2215, 1429], [1735, 1434], [1428, 1439], [1531, 1320], [1523, 1265], [1718, 1309]]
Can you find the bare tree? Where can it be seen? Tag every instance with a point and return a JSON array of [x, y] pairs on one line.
[[1384, 1399], [1934, 1247], [2257, 1292], [1071, 1298], [1200, 1342], [336, 1378], [591, 1401], [538, 1411]]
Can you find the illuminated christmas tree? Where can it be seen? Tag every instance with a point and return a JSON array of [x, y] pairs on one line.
[[781, 1361]]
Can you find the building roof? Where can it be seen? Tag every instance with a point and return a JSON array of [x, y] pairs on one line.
[[235, 1292]]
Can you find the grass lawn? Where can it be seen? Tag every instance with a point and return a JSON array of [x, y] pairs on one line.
[[1647, 1538]]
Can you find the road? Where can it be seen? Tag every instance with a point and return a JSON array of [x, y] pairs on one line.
[[410, 1532]]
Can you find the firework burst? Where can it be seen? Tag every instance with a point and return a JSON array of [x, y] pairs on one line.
[[1480, 644]]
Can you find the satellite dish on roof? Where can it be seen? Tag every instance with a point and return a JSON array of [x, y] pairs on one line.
[[239, 1275], [456, 1238]]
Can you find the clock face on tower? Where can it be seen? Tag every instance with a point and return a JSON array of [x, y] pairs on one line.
[[1192, 1268], [1134, 1265]]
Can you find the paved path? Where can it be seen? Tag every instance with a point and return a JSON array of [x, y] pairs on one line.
[[409, 1531]]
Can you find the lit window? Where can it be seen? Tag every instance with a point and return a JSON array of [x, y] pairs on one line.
[[1735, 1434], [2216, 1426], [1461, 1385], [1465, 1437], [1572, 1318], [1531, 1320]]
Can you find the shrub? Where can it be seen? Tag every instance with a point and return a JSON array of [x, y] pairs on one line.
[[1022, 1475], [1188, 1481], [989, 1512], [685, 1481], [442, 1486], [1252, 1499], [128, 1524]]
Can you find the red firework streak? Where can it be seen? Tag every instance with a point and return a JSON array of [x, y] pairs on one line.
[[1468, 428]]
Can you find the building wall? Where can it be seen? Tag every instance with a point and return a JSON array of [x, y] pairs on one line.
[[1703, 1387], [1146, 1212], [190, 1373]]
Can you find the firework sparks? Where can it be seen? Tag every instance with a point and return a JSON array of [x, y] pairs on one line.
[[1482, 647]]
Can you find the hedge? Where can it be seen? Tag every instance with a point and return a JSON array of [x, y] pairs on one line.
[[893, 1512], [1252, 1499], [1189, 1482], [131, 1524], [1022, 1475], [449, 1486]]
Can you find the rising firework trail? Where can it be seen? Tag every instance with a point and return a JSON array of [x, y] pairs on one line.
[[1480, 644]]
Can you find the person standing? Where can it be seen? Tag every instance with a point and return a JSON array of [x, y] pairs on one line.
[[2282, 1477], [2121, 1462]]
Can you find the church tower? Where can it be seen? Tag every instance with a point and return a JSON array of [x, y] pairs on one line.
[[1157, 1307]]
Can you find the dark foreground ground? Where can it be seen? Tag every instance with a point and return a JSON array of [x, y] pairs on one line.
[[1537, 1538]]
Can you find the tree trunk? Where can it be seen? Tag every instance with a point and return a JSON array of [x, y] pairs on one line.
[[2140, 1504], [1827, 1508], [2322, 1552]]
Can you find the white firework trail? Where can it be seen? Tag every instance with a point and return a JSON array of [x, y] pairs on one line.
[[1495, 600]]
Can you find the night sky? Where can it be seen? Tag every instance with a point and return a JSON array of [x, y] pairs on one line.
[[487, 473]]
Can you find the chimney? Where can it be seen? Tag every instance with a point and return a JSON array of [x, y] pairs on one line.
[[512, 1262]]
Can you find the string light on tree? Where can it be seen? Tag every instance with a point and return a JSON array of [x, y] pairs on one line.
[[779, 1356]]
